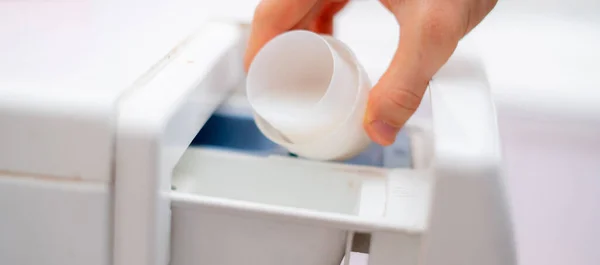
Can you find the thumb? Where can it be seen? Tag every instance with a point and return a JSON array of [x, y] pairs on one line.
[[427, 40]]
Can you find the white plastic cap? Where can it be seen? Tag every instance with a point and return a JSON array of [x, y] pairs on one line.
[[309, 94]]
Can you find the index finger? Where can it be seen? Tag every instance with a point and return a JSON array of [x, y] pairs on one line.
[[271, 18]]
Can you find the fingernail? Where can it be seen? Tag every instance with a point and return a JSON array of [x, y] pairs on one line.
[[386, 132]]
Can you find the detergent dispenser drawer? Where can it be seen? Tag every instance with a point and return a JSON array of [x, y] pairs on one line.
[[239, 133], [238, 198], [232, 208], [223, 193]]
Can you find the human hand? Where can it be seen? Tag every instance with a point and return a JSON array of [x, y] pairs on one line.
[[430, 32]]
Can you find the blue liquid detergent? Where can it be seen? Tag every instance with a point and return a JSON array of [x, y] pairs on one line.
[[239, 133]]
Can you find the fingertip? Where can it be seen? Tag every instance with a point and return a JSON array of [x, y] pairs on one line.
[[380, 131]]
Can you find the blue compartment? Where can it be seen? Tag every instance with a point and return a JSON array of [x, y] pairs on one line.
[[241, 134]]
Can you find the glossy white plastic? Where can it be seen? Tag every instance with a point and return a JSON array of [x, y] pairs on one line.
[[469, 199], [309, 94], [301, 85], [156, 123]]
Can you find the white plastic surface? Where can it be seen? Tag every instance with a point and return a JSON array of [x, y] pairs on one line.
[[470, 220], [69, 137], [268, 209], [205, 236], [260, 180], [54, 221], [301, 86], [309, 95], [156, 123], [209, 234], [65, 65]]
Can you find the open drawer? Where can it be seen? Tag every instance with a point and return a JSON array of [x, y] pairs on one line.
[[231, 208], [229, 202]]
